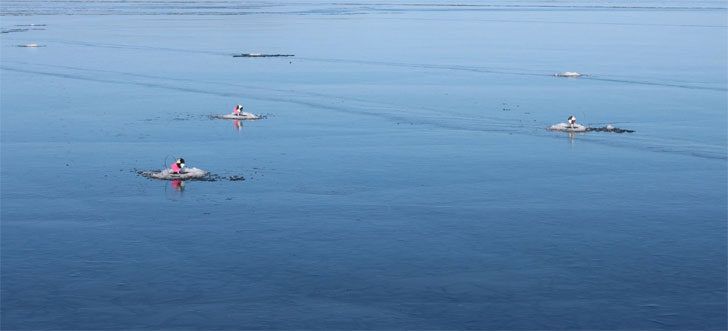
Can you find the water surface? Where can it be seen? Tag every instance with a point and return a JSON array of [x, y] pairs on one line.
[[403, 178]]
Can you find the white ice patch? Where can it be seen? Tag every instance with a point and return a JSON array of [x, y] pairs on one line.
[[242, 116], [568, 74], [568, 128], [168, 174]]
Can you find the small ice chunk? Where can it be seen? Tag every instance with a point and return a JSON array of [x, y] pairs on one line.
[[568, 128], [568, 74], [610, 128]]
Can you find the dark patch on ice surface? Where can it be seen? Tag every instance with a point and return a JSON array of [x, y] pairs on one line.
[[262, 55], [563, 127], [609, 128]]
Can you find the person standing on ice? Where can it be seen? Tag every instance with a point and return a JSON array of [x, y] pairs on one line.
[[178, 165], [572, 121], [239, 110]]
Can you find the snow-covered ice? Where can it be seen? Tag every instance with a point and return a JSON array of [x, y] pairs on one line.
[[168, 174]]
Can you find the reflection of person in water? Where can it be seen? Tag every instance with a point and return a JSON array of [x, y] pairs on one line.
[[178, 185], [178, 165], [572, 136], [239, 125]]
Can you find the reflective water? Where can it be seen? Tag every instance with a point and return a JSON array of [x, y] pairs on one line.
[[404, 176]]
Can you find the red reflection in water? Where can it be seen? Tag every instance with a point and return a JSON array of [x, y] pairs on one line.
[[178, 185]]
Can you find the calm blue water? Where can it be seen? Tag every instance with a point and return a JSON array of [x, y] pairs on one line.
[[404, 177]]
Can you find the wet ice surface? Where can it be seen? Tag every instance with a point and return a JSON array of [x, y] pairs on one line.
[[405, 181], [568, 128], [564, 127], [169, 174], [242, 116], [188, 174]]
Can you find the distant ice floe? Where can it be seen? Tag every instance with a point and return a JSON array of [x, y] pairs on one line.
[[580, 128], [31, 45], [262, 55], [168, 174], [242, 116], [568, 74]]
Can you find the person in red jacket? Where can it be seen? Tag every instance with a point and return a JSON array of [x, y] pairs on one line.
[[178, 165]]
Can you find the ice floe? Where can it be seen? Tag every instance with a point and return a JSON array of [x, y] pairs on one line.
[[262, 55], [169, 174], [241, 116], [188, 174], [568, 74], [568, 128]]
